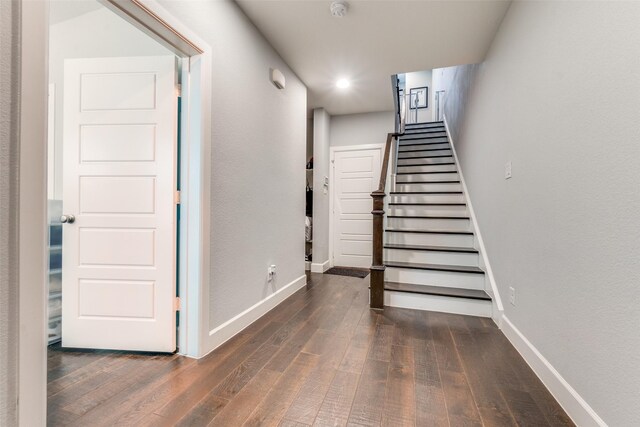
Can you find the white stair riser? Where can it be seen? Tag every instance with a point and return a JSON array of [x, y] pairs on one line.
[[413, 129], [410, 147], [469, 307], [427, 168], [434, 210], [421, 140], [427, 177], [428, 187], [421, 162], [411, 154], [431, 257], [426, 198], [430, 239], [429, 224], [436, 278], [421, 132], [411, 126]]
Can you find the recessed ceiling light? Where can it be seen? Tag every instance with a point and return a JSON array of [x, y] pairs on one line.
[[343, 83]]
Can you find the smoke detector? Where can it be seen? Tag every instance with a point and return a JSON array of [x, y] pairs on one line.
[[339, 8]]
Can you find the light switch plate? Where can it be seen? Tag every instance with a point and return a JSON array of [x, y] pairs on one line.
[[507, 170]]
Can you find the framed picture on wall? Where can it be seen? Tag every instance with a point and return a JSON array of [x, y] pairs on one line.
[[419, 97]]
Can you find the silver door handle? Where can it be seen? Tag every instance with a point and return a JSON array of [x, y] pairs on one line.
[[67, 219]]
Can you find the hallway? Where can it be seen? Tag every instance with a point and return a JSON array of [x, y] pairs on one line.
[[320, 358]]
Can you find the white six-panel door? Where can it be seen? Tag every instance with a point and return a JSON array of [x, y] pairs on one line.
[[119, 254], [356, 174]]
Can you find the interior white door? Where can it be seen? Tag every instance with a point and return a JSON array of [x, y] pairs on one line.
[[356, 174], [119, 181]]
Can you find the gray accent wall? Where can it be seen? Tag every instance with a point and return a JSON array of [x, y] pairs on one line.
[[358, 129], [559, 97], [9, 133], [458, 82]]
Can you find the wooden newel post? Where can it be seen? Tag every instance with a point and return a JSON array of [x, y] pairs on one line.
[[376, 284], [376, 277]]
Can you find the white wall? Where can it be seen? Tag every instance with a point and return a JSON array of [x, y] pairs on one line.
[[559, 96], [9, 126], [97, 33], [321, 142], [457, 83], [257, 161], [420, 79], [357, 129]]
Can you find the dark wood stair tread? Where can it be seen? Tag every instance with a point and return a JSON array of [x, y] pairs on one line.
[[432, 231], [425, 149], [411, 144], [423, 131], [425, 204], [425, 157], [422, 136], [425, 192], [437, 267], [428, 164], [437, 290], [430, 216], [427, 182], [431, 248], [423, 173], [424, 123]]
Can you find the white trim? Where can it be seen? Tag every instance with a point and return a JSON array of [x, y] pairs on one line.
[[360, 147], [32, 234], [196, 182], [32, 374], [498, 308], [574, 405], [234, 326], [51, 156], [332, 156], [317, 267]]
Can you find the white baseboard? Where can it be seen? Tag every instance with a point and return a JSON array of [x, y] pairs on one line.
[[574, 405], [498, 308], [307, 266], [232, 327], [317, 267]]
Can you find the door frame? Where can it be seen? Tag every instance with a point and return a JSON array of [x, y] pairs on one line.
[[196, 55], [332, 158]]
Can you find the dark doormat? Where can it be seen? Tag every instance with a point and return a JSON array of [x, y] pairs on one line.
[[349, 271]]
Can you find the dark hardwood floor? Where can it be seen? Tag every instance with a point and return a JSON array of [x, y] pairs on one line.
[[320, 358]]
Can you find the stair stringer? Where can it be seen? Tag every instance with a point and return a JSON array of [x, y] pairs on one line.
[[490, 283]]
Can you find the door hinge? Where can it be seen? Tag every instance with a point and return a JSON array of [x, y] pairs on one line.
[[178, 90], [176, 304], [176, 197]]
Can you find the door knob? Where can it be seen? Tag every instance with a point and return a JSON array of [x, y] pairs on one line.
[[67, 219]]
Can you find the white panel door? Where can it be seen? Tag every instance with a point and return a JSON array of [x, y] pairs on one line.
[[119, 181], [356, 174]]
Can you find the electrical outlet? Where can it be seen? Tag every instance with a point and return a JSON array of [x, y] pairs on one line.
[[512, 295], [271, 271], [507, 170]]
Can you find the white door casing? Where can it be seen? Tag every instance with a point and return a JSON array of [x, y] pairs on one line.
[[356, 173], [119, 263]]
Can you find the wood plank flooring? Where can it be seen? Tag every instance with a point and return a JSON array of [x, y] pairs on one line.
[[321, 358]]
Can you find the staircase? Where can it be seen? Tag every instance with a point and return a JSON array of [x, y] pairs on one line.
[[430, 255]]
